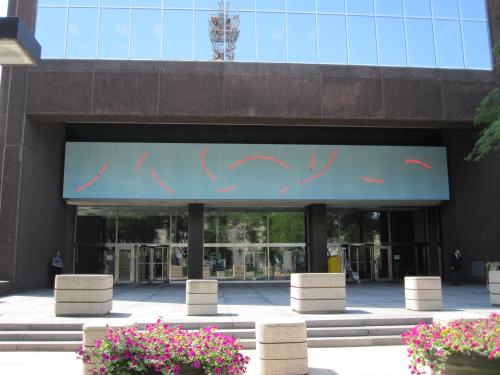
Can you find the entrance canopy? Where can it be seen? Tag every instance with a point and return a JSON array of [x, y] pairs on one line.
[[239, 172]]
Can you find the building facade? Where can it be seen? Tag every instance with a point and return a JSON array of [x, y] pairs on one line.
[[165, 139]]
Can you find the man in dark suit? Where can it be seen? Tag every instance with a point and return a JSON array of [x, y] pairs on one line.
[[456, 266]]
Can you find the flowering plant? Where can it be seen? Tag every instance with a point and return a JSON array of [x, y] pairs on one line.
[[163, 349], [430, 345]]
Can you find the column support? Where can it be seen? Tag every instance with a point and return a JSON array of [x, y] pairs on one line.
[[316, 237], [195, 241]]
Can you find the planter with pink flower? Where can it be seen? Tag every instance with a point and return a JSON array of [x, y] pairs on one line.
[[162, 349], [461, 347]]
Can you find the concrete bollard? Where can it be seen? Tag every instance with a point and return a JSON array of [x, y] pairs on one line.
[[96, 331], [83, 295], [423, 293], [494, 281], [281, 346], [317, 292], [201, 297]]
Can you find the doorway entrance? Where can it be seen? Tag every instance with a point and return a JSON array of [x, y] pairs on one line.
[[371, 262]]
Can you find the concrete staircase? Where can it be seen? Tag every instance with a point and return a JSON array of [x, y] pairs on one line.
[[334, 332]]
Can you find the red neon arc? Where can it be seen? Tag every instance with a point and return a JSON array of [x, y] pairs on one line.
[[226, 189], [322, 171], [372, 180], [283, 190], [237, 163], [204, 165], [313, 162], [157, 179], [418, 162], [93, 179], [140, 161]]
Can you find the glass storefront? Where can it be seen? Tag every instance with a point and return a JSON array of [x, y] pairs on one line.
[[245, 245]]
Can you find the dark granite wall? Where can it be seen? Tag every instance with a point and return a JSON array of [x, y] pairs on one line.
[[36, 102]]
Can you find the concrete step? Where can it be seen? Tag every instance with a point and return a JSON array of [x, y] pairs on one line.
[[41, 336], [41, 326], [40, 346]]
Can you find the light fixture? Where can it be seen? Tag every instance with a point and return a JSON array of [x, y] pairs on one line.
[[18, 46]]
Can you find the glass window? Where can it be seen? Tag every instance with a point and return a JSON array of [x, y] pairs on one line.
[[245, 46], [391, 41], [231, 227], [178, 4], [332, 39], [362, 43], [256, 227], [302, 38], [448, 44], [301, 6], [473, 9], [331, 6], [286, 227], [206, 4], [51, 31], [202, 45], [420, 39], [145, 37], [178, 34], [146, 3], [283, 261], [241, 5], [82, 33], [445, 9], [114, 33], [389, 7], [180, 227], [359, 6], [276, 5], [417, 8], [115, 3], [52, 2], [332, 226], [477, 45], [210, 226], [84, 3], [143, 225], [271, 37]]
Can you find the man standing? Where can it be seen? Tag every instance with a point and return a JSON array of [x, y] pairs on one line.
[[456, 266], [56, 267]]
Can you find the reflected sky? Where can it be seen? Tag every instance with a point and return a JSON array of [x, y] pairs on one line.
[[416, 33]]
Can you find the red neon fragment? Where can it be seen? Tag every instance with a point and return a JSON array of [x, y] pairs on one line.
[[371, 180], [141, 160], [93, 179], [237, 163], [226, 189], [155, 176], [418, 162], [322, 171], [204, 165]]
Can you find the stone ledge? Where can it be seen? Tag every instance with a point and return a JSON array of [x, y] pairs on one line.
[[271, 331], [424, 282], [201, 310], [84, 282], [429, 305], [423, 294], [283, 366], [313, 280], [317, 293], [282, 351], [83, 308], [318, 306], [201, 299], [90, 295], [201, 286]]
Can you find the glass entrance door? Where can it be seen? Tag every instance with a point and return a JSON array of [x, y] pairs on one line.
[[124, 265], [152, 264], [360, 257], [382, 263]]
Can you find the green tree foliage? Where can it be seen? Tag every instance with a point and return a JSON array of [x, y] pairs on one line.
[[488, 114]]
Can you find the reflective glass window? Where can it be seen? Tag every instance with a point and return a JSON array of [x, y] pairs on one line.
[[286, 227], [476, 45], [391, 41], [420, 37], [202, 45], [206, 4], [210, 226], [473, 9], [302, 38], [445, 9], [114, 33], [179, 230], [245, 46], [115, 3], [145, 37], [178, 34], [389, 7], [448, 44], [82, 33], [241, 5], [178, 4], [143, 225], [332, 39], [301, 6], [276, 5], [256, 227], [361, 40], [360, 6], [146, 3], [417, 8], [84, 3], [52, 2], [231, 227], [331, 6], [51, 31], [271, 41]]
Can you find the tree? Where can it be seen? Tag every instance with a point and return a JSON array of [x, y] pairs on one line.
[[488, 114]]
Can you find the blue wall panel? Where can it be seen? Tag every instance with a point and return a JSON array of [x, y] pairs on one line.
[[245, 172]]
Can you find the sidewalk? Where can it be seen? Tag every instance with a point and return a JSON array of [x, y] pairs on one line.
[[378, 360]]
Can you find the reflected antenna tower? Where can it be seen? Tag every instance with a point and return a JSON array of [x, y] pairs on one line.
[[224, 31]]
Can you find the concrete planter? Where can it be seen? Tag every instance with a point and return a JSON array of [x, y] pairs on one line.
[[423, 293], [201, 297], [494, 283], [317, 292], [461, 364]]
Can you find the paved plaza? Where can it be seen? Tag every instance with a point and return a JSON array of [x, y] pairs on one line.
[[239, 302]]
